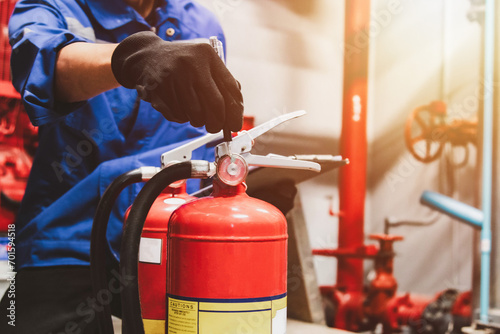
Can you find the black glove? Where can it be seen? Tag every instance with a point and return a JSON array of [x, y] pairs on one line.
[[183, 81]]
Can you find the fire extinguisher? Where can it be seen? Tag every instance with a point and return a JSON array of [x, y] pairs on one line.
[[173, 196], [226, 253], [227, 264], [152, 269]]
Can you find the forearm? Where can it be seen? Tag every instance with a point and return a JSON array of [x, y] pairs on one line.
[[83, 70]]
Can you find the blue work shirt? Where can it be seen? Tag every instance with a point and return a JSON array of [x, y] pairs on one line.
[[84, 146]]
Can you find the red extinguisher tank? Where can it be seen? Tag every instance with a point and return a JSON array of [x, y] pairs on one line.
[[152, 267], [227, 265]]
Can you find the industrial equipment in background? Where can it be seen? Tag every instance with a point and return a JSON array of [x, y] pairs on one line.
[[350, 304], [430, 128], [481, 219], [379, 303], [18, 138], [18, 143]]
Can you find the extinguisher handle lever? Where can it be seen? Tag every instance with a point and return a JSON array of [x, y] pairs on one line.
[[278, 161], [233, 158], [238, 152], [184, 152], [265, 127], [244, 141]]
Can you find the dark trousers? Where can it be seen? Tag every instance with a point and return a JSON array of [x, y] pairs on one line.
[[56, 300]]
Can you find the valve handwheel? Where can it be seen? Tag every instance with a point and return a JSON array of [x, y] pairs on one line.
[[425, 131]]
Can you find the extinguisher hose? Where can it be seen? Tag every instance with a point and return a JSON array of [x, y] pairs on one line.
[[131, 309], [98, 242]]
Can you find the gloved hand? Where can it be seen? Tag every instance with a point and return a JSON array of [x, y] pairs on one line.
[[183, 81]]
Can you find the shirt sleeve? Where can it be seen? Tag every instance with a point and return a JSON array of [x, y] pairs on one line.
[[37, 31]]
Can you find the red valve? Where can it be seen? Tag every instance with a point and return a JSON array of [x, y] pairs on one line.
[[424, 131]]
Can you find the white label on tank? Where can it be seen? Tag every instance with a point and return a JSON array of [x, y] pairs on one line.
[[174, 201], [150, 250], [279, 322]]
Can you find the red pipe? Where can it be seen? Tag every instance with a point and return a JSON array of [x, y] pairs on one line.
[[353, 142]]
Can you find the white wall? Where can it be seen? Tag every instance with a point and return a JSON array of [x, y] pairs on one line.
[[430, 51], [288, 55]]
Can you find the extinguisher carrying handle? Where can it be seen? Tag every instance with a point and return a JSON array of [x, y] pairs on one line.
[[131, 308], [185, 152], [98, 241], [244, 141], [240, 144], [278, 161], [239, 149]]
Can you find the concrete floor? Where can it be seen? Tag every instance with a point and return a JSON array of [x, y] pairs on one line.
[[298, 327], [293, 327]]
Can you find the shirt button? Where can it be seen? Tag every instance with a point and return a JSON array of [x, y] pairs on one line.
[[170, 32]]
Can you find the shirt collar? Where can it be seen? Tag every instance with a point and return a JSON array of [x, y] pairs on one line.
[[112, 14]]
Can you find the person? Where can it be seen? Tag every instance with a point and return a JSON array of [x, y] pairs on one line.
[[110, 90]]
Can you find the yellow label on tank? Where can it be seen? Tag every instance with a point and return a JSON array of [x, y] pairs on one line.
[[182, 316], [262, 316], [152, 326]]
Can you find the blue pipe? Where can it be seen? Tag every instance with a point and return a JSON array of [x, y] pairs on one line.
[[454, 208], [489, 52], [462, 211]]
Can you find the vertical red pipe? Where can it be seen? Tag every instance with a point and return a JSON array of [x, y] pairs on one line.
[[353, 142]]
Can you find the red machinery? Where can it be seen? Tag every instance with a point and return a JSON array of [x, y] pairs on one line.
[[18, 142], [356, 307], [352, 178], [426, 133], [6, 9], [379, 303], [353, 145], [18, 138]]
